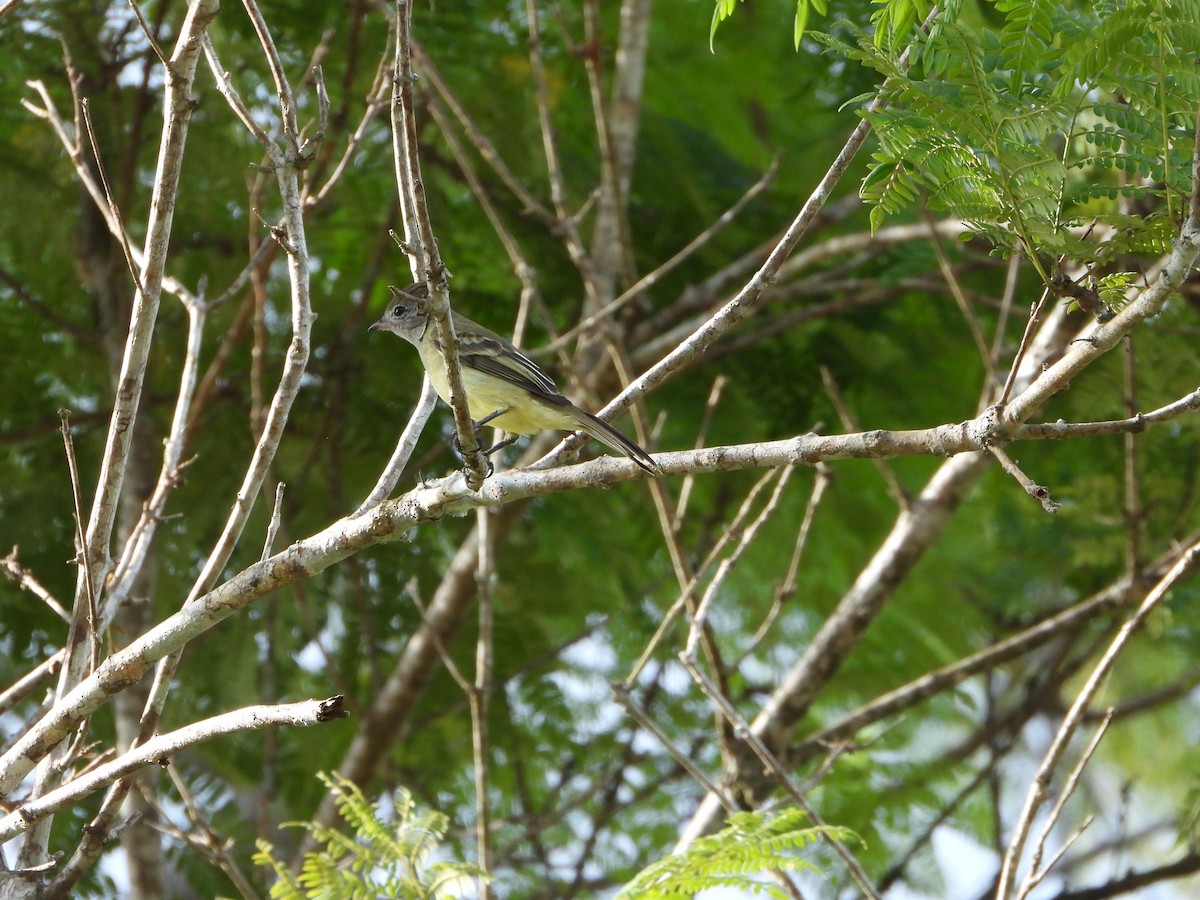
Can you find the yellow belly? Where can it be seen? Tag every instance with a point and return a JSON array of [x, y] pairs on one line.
[[486, 394]]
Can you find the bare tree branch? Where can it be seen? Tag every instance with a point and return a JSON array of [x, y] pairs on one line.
[[1041, 782], [427, 265], [160, 748]]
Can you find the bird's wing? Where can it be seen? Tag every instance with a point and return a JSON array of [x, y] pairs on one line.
[[494, 357]]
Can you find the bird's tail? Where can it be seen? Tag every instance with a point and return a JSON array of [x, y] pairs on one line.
[[606, 434]]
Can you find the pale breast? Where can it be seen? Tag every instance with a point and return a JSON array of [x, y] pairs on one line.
[[486, 394]]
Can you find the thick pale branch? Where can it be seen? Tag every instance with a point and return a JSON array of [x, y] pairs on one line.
[[285, 164], [178, 110], [915, 530], [450, 496], [137, 546], [296, 359], [178, 106], [160, 748], [1103, 337], [445, 497]]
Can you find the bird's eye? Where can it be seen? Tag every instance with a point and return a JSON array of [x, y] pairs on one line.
[[397, 310]]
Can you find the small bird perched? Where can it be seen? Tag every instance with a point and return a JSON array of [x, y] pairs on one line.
[[505, 388]]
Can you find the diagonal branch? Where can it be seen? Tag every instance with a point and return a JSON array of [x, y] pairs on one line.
[[178, 110], [160, 748], [746, 300], [427, 265], [291, 236], [1038, 788], [394, 518]]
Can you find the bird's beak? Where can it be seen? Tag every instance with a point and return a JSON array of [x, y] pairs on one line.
[[378, 326]]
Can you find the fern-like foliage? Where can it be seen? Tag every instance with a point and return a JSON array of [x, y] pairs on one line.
[[893, 20], [1060, 119], [752, 843], [382, 856], [1027, 41]]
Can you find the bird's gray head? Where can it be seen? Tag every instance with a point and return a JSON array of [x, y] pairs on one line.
[[407, 313]]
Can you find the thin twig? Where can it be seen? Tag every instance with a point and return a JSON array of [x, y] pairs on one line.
[[23, 294], [508, 241], [685, 760], [1036, 795], [390, 476], [114, 210], [900, 859], [283, 88], [25, 580], [610, 248], [413, 591], [484, 147], [1006, 303], [706, 418], [273, 525], [92, 622], [850, 423], [956, 291], [690, 582], [747, 535], [647, 281], [210, 842], [1135, 424], [787, 589], [40, 675], [780, 775], [1037, 873], [1037, 491], [1031, 324], [308, 150], [69, 140], [1133, 485], [564, 220], [478, 695], [149, 33], [377, 100], [947, 677], [670, 528]]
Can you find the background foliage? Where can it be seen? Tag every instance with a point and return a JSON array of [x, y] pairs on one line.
[[1041, 124]]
